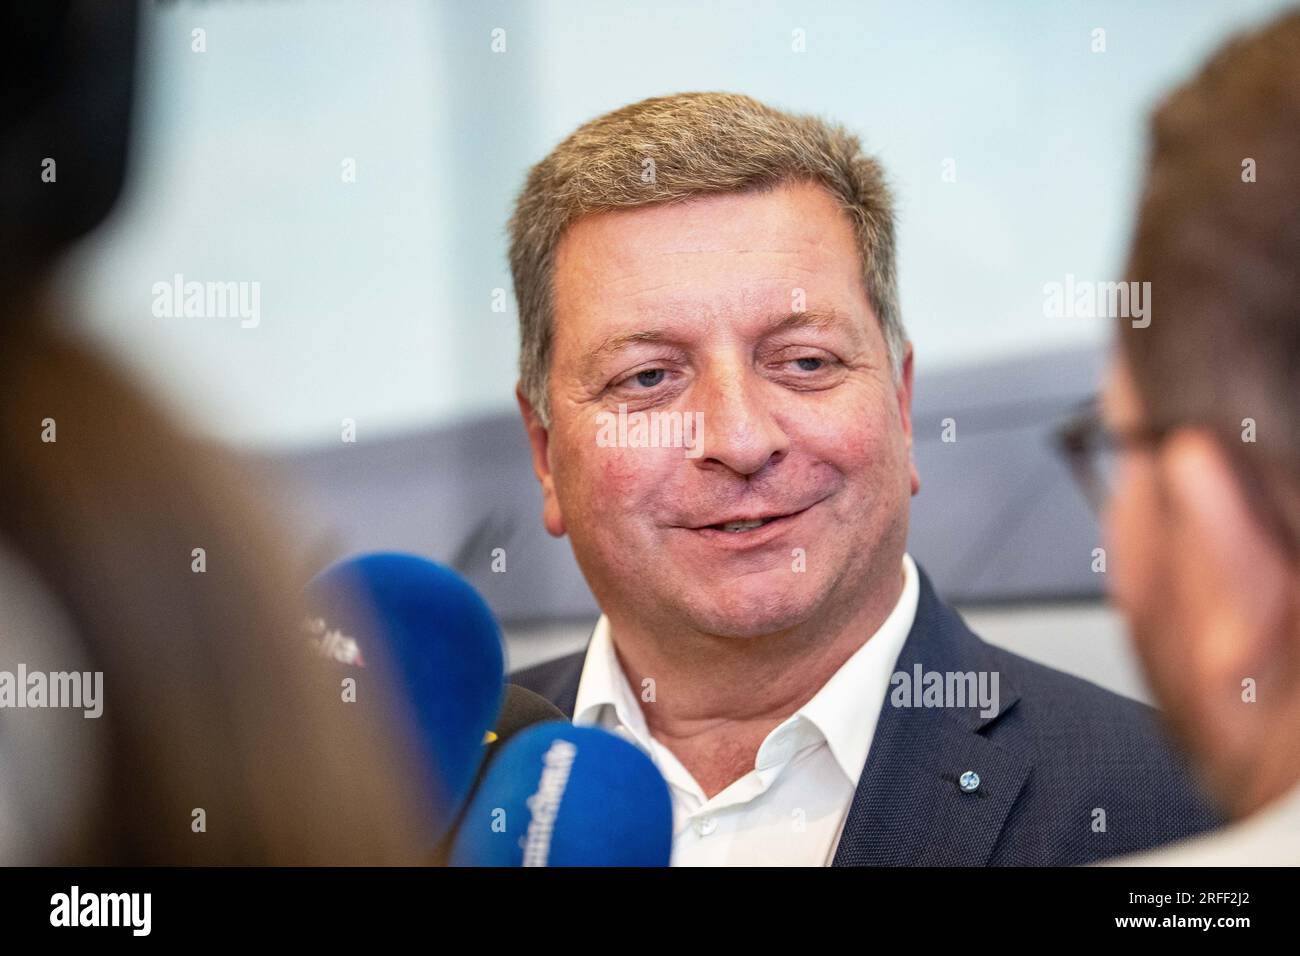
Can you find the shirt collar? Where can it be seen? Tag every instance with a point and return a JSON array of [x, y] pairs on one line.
[[603, 685], [843, 712], [847, 706]]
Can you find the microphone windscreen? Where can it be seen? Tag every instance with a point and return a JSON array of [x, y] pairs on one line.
[[443, 645], [522, 708], [560, 795]]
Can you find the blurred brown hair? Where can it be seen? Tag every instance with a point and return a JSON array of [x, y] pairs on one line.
[[1218, 238], [211, 697]]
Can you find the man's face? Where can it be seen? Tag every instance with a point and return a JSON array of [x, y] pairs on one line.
[[750, 310]]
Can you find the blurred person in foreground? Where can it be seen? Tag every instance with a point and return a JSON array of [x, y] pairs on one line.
[[219, 738], [1202, 412]]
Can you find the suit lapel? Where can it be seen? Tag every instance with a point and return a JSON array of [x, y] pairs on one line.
[[908, 809], [566, 697]]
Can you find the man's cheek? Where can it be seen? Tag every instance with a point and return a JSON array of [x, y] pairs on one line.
[[1122, 562], [613, 485], [625, 474], [586, 467], [1138, 570], [879, 465]]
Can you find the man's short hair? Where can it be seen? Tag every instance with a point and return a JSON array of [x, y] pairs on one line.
[[674, 148], [1218, 238]]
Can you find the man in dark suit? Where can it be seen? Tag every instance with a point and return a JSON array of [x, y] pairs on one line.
[[717, 390], [1068, 772]]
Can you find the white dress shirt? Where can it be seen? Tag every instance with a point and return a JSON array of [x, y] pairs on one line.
[[790, 809]]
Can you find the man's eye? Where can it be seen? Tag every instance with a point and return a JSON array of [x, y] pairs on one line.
[[810, 363], [647, 378]]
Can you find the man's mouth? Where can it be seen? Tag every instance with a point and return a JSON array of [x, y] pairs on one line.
[[745, 532], [747, 524], [736, 527]]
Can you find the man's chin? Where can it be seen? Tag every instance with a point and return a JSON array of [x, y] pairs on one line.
[[750, 611]]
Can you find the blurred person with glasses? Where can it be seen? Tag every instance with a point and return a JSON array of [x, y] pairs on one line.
[[1192, 455]]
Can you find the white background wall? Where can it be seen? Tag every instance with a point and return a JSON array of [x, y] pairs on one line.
[[376, 295]]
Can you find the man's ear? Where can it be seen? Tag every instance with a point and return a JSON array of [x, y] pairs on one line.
[[905, 414], [539, 438], [1238, 585]]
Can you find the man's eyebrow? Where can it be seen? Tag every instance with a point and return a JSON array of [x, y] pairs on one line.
[[808, 319]]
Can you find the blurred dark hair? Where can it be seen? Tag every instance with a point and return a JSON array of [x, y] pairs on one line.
[[67, 78], [1221, 249]]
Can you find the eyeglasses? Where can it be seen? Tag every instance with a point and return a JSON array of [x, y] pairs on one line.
[[1092, 448]]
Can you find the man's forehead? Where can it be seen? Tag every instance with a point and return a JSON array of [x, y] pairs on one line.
[[795, 221], [748, 263]]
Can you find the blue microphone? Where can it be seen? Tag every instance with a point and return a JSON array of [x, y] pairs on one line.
[[442, 643], [560, 795]]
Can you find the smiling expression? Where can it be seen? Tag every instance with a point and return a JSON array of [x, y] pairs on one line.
[[749, 309]]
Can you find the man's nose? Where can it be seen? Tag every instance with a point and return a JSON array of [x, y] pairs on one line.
[[740, 432]]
